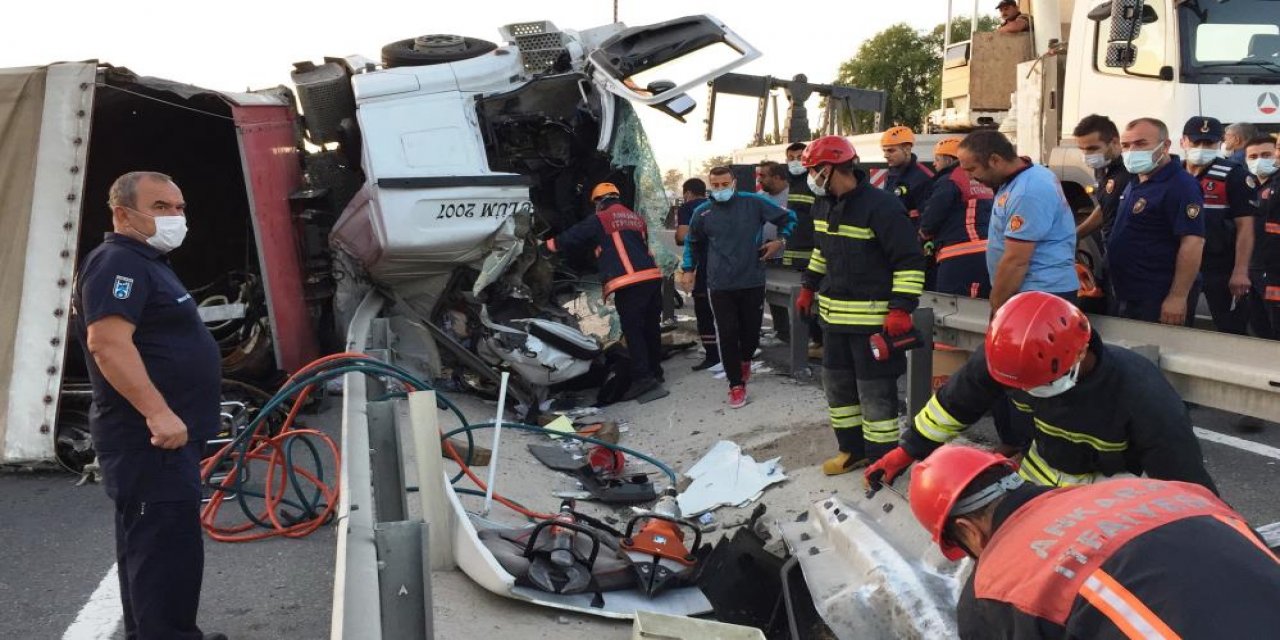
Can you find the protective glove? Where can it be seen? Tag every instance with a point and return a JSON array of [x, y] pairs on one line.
[[897, 323], [888, 467], [804, 301]]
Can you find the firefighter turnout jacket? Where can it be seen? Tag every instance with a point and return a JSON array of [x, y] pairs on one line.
[[910, 183], [1121, 417], [866, 262], [956, 215], [620, 239], [1128, 558], [799, 201]]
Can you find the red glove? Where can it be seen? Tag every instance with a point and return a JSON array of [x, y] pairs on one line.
[[804, 301], [897, 323], [888, 467]]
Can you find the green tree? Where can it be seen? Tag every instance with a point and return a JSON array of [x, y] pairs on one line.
[[907, 65], [715, 161], [672, 180]]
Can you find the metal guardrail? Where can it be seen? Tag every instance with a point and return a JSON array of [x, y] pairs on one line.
[[381, 582], [1233, 373]]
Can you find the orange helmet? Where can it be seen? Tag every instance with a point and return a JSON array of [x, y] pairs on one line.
[[604, 189], [938, 481], [897, 135], [948, 147], [828, 150], [1034, 339]]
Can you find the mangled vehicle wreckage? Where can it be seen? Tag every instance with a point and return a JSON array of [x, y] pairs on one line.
[[467, 162], [429, 176]]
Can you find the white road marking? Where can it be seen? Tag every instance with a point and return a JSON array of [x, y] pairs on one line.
[[1239, 443], [101, 615]]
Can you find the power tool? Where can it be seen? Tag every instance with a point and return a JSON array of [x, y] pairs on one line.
[[657, 550], [883, 347]]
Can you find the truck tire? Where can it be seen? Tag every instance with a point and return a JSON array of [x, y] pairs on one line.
[[430, 49]]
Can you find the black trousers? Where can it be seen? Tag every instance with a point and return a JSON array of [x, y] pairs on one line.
[[640, 312], [1259, 320], [964, 276], [706, 323], [862, 394], [1149, 310], [160, 559], [1229, 315], [739, 314]]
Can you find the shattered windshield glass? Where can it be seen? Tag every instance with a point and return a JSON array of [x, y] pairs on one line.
[[631, 148]]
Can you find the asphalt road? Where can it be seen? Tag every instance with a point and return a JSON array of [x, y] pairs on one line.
[[57, 543]]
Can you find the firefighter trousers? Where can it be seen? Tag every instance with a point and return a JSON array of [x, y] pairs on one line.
[[862, 394]]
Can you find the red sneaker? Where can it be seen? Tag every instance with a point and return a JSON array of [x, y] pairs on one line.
[[737, 397], [746, 372]]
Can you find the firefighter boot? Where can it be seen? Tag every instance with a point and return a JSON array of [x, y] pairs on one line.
[[851, 454]]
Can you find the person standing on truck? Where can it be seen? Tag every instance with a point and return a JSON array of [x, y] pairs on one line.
[[955, 220], [1132, 558], [907, 178], [694, 195], [867, 274], [1229, 212], [1012, 20], [620, 239], [1031, 242], [1260, 156], [1155, 247], [156, 373], [726, 240], [1099, 410]]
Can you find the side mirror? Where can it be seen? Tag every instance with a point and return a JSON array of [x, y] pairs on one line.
[[677, 107], [1126, 20]]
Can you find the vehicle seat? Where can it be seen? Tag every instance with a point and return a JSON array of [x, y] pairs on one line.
[[1264, 46]]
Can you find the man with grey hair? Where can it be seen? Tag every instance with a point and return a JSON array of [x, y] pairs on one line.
[[156, 373], [1236, 137]]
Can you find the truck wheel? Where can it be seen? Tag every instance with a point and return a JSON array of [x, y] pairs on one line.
[[433, 49]]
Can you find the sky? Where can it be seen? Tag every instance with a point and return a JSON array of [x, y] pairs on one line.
[[236, 45]]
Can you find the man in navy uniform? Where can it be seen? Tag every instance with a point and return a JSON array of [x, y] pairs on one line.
[[156, 375]]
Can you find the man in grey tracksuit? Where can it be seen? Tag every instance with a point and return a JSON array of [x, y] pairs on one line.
[[726, 238]]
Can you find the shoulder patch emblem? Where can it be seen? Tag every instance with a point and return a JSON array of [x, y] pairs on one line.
[[1015, 222], [1193, 211], [122, 288], [1111, 185], [1139, 205]]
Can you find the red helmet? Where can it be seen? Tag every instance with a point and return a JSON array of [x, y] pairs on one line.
[[1034, 339], [828, 150], [937, 483]]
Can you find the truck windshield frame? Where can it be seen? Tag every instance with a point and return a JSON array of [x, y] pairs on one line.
[[1238, 39]]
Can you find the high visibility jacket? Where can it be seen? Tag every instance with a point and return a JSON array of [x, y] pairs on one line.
[[866, 262], [799, 201], [957, 214], [1122, 417], [1227, 196], [910, 183], [620, 239], [1131, 558]]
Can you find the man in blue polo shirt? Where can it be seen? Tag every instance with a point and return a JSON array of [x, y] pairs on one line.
[[1031, 240], [156, 373], [1156, 245]]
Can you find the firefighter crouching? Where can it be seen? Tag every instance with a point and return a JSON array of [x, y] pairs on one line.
[[620, 239], [954, 220], [1128, 558], [867, 273], [1099, 410]]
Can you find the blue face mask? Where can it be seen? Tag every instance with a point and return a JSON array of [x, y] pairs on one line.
[[1140, 161], [723, 195]]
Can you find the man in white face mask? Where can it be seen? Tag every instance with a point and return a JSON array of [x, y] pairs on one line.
[[156, 373], [1099, 409], [1229, 213]]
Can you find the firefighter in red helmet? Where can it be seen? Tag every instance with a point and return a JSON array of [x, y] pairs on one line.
[[1099, 409], [866, 275], [1128, 558]]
